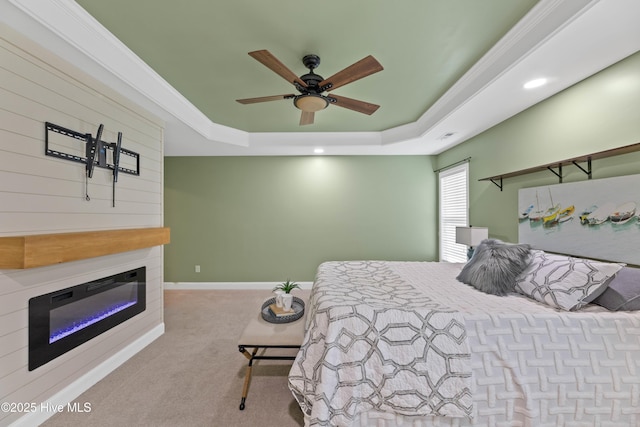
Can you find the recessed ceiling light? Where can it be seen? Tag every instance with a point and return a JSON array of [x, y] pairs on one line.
[[446, 135], [535, 83], [318, 150]]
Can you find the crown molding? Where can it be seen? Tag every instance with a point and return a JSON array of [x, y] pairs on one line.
[[71, 23], [189, 132], [544, 20]]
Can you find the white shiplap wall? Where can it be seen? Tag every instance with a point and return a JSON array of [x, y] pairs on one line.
[[41, 194]]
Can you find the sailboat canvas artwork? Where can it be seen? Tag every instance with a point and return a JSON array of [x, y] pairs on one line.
[[595, 218]]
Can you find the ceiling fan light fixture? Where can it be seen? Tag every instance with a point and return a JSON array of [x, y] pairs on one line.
[[312, 85], [310, 103]]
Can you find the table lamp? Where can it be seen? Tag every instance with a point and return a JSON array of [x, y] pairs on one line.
[[471, 236]]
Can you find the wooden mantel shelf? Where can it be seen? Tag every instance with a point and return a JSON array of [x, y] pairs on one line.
[[38, 250]]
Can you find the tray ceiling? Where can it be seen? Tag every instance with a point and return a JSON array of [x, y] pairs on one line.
[[450, 68]]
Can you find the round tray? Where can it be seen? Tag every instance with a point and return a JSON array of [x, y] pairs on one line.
[[297, 304]]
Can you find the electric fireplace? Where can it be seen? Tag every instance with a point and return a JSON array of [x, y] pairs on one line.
[[62, 320]]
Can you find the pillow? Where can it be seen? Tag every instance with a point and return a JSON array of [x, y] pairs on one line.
[[494, 266], [623, 292], [564, 282]]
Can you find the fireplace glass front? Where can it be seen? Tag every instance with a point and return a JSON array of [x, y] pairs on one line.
[[62, 320]]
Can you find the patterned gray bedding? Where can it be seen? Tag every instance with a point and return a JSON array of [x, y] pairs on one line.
[[386, 346], [405, 343]]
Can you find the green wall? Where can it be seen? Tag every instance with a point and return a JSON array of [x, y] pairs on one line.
[[245, 219], [273, 218], [597, 114]]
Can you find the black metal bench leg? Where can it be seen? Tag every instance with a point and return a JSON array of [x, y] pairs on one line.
[[247, 376], [254, 356]]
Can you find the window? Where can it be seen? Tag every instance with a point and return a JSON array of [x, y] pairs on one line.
[[454, 211]]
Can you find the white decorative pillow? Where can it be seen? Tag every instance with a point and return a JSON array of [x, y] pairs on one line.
[[564, 282]]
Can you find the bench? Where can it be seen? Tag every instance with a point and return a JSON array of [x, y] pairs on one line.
[[260, 334]]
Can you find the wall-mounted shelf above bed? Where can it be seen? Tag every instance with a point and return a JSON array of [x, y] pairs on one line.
[[38, 250], [556, 167]]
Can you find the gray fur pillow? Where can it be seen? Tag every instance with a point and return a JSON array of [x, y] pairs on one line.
[[495, 265]]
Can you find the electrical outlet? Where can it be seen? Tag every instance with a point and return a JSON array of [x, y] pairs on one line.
[[197, 269]]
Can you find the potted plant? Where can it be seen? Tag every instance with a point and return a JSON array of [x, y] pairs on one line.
[[287, 286], [283, 291]]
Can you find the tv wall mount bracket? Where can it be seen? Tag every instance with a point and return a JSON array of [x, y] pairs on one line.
[[94, 152]]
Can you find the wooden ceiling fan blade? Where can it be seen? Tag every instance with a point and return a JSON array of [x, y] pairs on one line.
[[306, 118], [363, 68], [274, 64], [264, 99], [354, 104]]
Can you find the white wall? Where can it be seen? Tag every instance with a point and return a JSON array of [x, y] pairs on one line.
[[41, 194]]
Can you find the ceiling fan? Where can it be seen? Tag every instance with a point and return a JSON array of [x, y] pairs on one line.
[[311, 86]]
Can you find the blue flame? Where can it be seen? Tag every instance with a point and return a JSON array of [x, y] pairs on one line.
[[83, 323]]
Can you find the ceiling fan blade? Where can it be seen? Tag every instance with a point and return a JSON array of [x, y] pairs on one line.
[[363, 68], [354, 104], [271, 62], [306, 118], [264, 99]]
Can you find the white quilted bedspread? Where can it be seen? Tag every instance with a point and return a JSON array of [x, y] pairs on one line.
[[532, 365]]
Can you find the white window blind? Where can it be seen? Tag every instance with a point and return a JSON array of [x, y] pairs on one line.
[[454, 211]]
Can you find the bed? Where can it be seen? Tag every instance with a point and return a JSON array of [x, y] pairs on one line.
[[408, 344]]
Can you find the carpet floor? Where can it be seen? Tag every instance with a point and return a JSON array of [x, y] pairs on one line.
[[193, 374]]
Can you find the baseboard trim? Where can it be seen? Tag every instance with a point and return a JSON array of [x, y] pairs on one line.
[[228, 285], [72, 391]]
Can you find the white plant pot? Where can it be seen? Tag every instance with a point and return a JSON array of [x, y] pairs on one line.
[[287, 300], [279, 294]]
